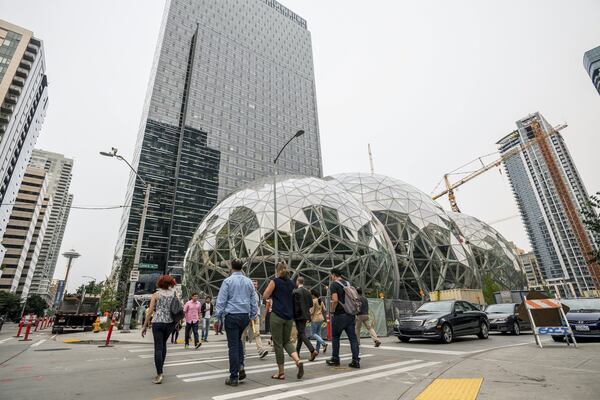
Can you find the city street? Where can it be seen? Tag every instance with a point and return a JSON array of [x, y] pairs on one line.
[[511, 367]]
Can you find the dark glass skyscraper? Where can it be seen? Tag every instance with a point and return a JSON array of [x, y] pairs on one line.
[[591, 62], [231, 82]]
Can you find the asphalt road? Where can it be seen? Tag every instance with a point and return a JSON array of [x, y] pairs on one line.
[[511, 367]]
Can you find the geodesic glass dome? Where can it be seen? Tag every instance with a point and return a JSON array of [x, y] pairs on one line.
[[320, 227], [427, 243], [495, 256]]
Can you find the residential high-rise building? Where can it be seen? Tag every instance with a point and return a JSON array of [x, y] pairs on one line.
[[59, 170], [34, 249], [535, 280], [20, 230], [232, 81], [550, 194], [23, 101], [591, 62]]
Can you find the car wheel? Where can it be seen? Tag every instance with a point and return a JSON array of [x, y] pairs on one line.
[[484, 330], [404, 339], [447, 334], [516, 329]]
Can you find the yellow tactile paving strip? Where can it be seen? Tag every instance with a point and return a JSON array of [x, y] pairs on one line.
[[452, 389]]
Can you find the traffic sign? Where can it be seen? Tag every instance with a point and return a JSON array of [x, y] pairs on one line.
[[134, 276]]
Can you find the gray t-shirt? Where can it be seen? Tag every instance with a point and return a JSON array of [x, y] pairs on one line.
[[162, 311]]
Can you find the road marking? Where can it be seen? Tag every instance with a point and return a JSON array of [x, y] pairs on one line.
[[52, 338], [185, 353], [204, 376], [331, 377], [5, 340], [36, 344], [210, 360], [334, 385], [416, 350], [146, 349], [464, 389]]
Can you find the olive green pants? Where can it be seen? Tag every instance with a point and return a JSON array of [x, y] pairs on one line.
[[281, 330]]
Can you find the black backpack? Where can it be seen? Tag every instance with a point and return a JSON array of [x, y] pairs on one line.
[[176, 309]]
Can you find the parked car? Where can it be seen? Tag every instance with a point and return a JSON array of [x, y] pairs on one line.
[[583, 317], [443, 321], [505, 318]]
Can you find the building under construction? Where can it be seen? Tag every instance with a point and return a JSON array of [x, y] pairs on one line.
[[550, 194]]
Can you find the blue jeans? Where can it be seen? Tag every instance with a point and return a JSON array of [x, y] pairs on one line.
[[344, 323], [205, 328], [234, 327], [315, 333], [193, 326]]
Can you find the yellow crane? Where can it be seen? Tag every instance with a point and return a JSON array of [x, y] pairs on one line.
[[450, 187]]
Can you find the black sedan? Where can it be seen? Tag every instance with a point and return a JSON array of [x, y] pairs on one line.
[[443, 321], [505, 318]]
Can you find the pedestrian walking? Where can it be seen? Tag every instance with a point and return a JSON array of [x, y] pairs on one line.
[[237, 304], [219, 326], [191, 309], [345, 305], [207, 311], [363, 319], [176, 329], [281, 290], [302, 305], [317, 316], [161, 307], [252, 331]]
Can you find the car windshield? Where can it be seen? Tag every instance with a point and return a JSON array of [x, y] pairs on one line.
[[500, 308], [582, 305], [435, 306]]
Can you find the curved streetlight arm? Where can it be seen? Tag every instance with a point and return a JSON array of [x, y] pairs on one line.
[[298, 134], [131, 167]]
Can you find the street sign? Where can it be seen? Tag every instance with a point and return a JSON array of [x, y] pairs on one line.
[[553, 330], [148, 266], [134, 276]]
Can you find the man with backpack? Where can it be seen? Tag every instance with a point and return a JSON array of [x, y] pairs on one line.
[[345, 305]]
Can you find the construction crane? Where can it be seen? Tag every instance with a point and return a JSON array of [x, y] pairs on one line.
[[450, 187]]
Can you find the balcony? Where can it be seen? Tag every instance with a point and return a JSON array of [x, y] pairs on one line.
[[14, 90], [29, 56], [7, 108], [22, 72], [11, 99], [26, 64], [18, 81]]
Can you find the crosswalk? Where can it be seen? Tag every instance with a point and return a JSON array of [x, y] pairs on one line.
[[210, 362]]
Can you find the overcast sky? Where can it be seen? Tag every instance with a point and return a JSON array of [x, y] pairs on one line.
[[430, 84]]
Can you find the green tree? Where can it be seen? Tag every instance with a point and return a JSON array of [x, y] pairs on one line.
[[108, 298], [92, 288], [10, 305], [592, 222], [35, 304], [488, 289]]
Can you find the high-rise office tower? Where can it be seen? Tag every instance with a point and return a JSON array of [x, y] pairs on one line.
[[23, 101], [591, 62], [20, 230], [60, 171], [232, 81], [550, 194]]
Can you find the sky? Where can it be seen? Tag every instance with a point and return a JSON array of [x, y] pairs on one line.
[[431, 85]]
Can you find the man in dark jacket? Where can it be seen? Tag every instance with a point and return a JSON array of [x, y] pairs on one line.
[[302, 304]]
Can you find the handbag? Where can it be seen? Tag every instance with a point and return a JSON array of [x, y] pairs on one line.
[[176, 309]]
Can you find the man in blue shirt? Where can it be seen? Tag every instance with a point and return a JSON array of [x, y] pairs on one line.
[[237, 302]]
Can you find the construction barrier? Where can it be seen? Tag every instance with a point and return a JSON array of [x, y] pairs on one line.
[[20, 327], [109, 334], [547, 317], [37, 323], [27, 330]]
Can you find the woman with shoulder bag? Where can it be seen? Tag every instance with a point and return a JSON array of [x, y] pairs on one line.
[[317, 316], [163, 307]]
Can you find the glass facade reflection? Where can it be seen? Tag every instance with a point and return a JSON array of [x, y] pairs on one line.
[[320, 226], [232, 80]]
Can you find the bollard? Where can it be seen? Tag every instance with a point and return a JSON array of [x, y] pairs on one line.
[[44, 320], [37, 323], [108, 335], [20, 326], [329, 338], [27, 330]]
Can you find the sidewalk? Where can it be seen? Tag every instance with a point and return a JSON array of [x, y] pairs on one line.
[[528, 372]]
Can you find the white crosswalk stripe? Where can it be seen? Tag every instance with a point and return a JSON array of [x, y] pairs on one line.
[[253, 370], [5, 340], [151, 349], [311, 382], [210, 360], [186, 353]]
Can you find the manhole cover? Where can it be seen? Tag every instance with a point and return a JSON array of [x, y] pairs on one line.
[[52, 349]]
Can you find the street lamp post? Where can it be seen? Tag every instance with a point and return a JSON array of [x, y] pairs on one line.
[[134, 275], [276, 232]]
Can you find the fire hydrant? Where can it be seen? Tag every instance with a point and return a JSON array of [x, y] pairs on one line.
[[96, 325]]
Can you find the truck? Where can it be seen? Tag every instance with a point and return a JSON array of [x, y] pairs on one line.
[[75, 313], [474, 296]]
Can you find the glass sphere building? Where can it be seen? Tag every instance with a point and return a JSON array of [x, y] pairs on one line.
[[386, 235], [320, 226]]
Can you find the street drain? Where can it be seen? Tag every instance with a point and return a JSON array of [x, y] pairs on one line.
[[52, 349]]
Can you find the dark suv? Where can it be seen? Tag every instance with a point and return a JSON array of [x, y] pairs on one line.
[[443, 321], [505, 318]]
